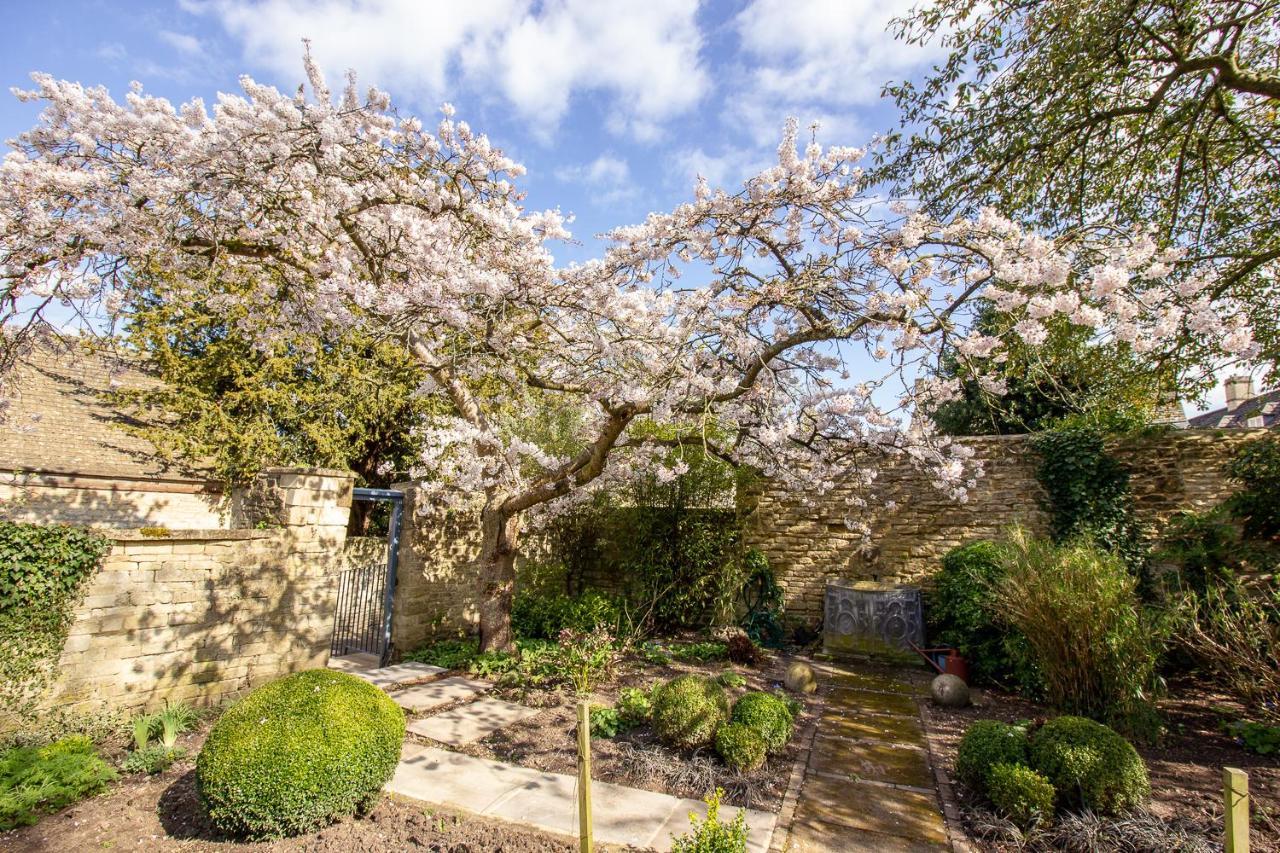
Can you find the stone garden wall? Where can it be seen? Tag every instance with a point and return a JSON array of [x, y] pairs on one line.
[[809, 544], [199, 615]]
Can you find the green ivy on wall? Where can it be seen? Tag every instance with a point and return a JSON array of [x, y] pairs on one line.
[[1088, 492], [43, 569]]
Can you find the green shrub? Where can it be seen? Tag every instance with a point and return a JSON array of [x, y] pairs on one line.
[[962, 614], [151, 759], [299, 753], [543, 617], [1094, 645], [985, 744], [712, 836], [700, 652], [1256, 467], [450, 654], [740, 747], [687, 711], [633, 707], [729, 678], [768, 716], [1255, 737], [1089, 765], [1020, 793], [38, 779], [605, 722]]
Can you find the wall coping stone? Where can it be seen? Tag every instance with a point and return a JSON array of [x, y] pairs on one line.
[[313, 472], [196, 535]]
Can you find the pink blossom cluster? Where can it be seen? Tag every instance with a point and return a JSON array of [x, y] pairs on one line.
[[728, 324]]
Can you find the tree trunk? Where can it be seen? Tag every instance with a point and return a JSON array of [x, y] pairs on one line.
[[497, 579]]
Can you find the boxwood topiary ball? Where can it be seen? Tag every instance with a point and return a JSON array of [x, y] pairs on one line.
[[688, 710], [985, 744], [740, 747], [1020, 794], [299, 753], [766, 715], [1090, 765]]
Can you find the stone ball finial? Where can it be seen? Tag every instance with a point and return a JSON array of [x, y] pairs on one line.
[[949, 691], [800, 678]]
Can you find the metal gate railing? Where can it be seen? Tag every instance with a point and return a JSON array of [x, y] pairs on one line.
[[362, 622]]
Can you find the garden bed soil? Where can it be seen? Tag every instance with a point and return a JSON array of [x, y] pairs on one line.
[[162, 813], [548, 740], [1185, 767]]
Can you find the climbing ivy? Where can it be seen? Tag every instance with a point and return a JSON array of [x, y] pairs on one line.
[[1088, 492], [43, 569]]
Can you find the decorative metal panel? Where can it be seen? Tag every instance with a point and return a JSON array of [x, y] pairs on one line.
[[872, 618]]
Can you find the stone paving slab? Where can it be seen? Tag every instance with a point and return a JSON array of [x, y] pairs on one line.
[[446, 691], [472, 721], [844, 700], [872, 808], [353, 662], [881, 682], [895, 729], [815, 836], [879, 762], [548, 801], [402, 673]]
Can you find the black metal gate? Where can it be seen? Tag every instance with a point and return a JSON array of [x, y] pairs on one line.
[[362, 623]]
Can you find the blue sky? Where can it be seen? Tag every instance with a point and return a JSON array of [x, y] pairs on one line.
[[614, 107]]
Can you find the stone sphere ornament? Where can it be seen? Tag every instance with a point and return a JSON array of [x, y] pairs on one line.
[[949, 691], [800, 678]]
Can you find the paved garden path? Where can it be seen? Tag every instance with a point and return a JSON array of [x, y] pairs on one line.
[[868, 785], [548, 801]]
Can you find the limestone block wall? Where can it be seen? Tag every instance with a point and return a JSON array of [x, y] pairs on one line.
[[808, 543], [200, 615], [111, 501]]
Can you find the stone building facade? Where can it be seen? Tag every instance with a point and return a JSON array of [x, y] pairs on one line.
[[808, 542]]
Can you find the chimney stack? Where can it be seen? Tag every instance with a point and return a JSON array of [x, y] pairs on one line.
[[1239, 389]]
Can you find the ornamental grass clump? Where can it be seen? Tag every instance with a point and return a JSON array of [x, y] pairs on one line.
[[688, 710], [768, 716], [299, 753]]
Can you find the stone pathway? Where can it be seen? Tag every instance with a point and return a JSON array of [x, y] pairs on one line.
[[868, 785], [547, 801]]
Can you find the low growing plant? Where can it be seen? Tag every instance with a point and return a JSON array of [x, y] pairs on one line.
[[711, 835], [605, 722], [742, 651], [38, 779], [1259, 738], [633, 707], [173, 720], [731, 679], [151, 760], [700, 652], [449, 654]]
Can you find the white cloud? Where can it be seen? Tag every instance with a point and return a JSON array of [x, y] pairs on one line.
[[727, 169], [609, 176], [111, 51], [643, 57], [181, 42], [818, 60]]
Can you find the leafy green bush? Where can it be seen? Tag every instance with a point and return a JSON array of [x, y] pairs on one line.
[[711, 835], [762, 598], [605, 722], [543, 617], [700, 652], [38, 779], [1255, 737], [1020, 793], [728, 678], [450, 654], [985, 744], [299, 753], [1089, 765], [43, 570], [1094, 645], [1204, 548], [688, 710], [152, 759], [1256, 467], [740, 747], [962, 614], [768, 716], [633, 707]]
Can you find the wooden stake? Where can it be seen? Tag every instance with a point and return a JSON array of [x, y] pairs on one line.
[[1235, 800], [584, 775]]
